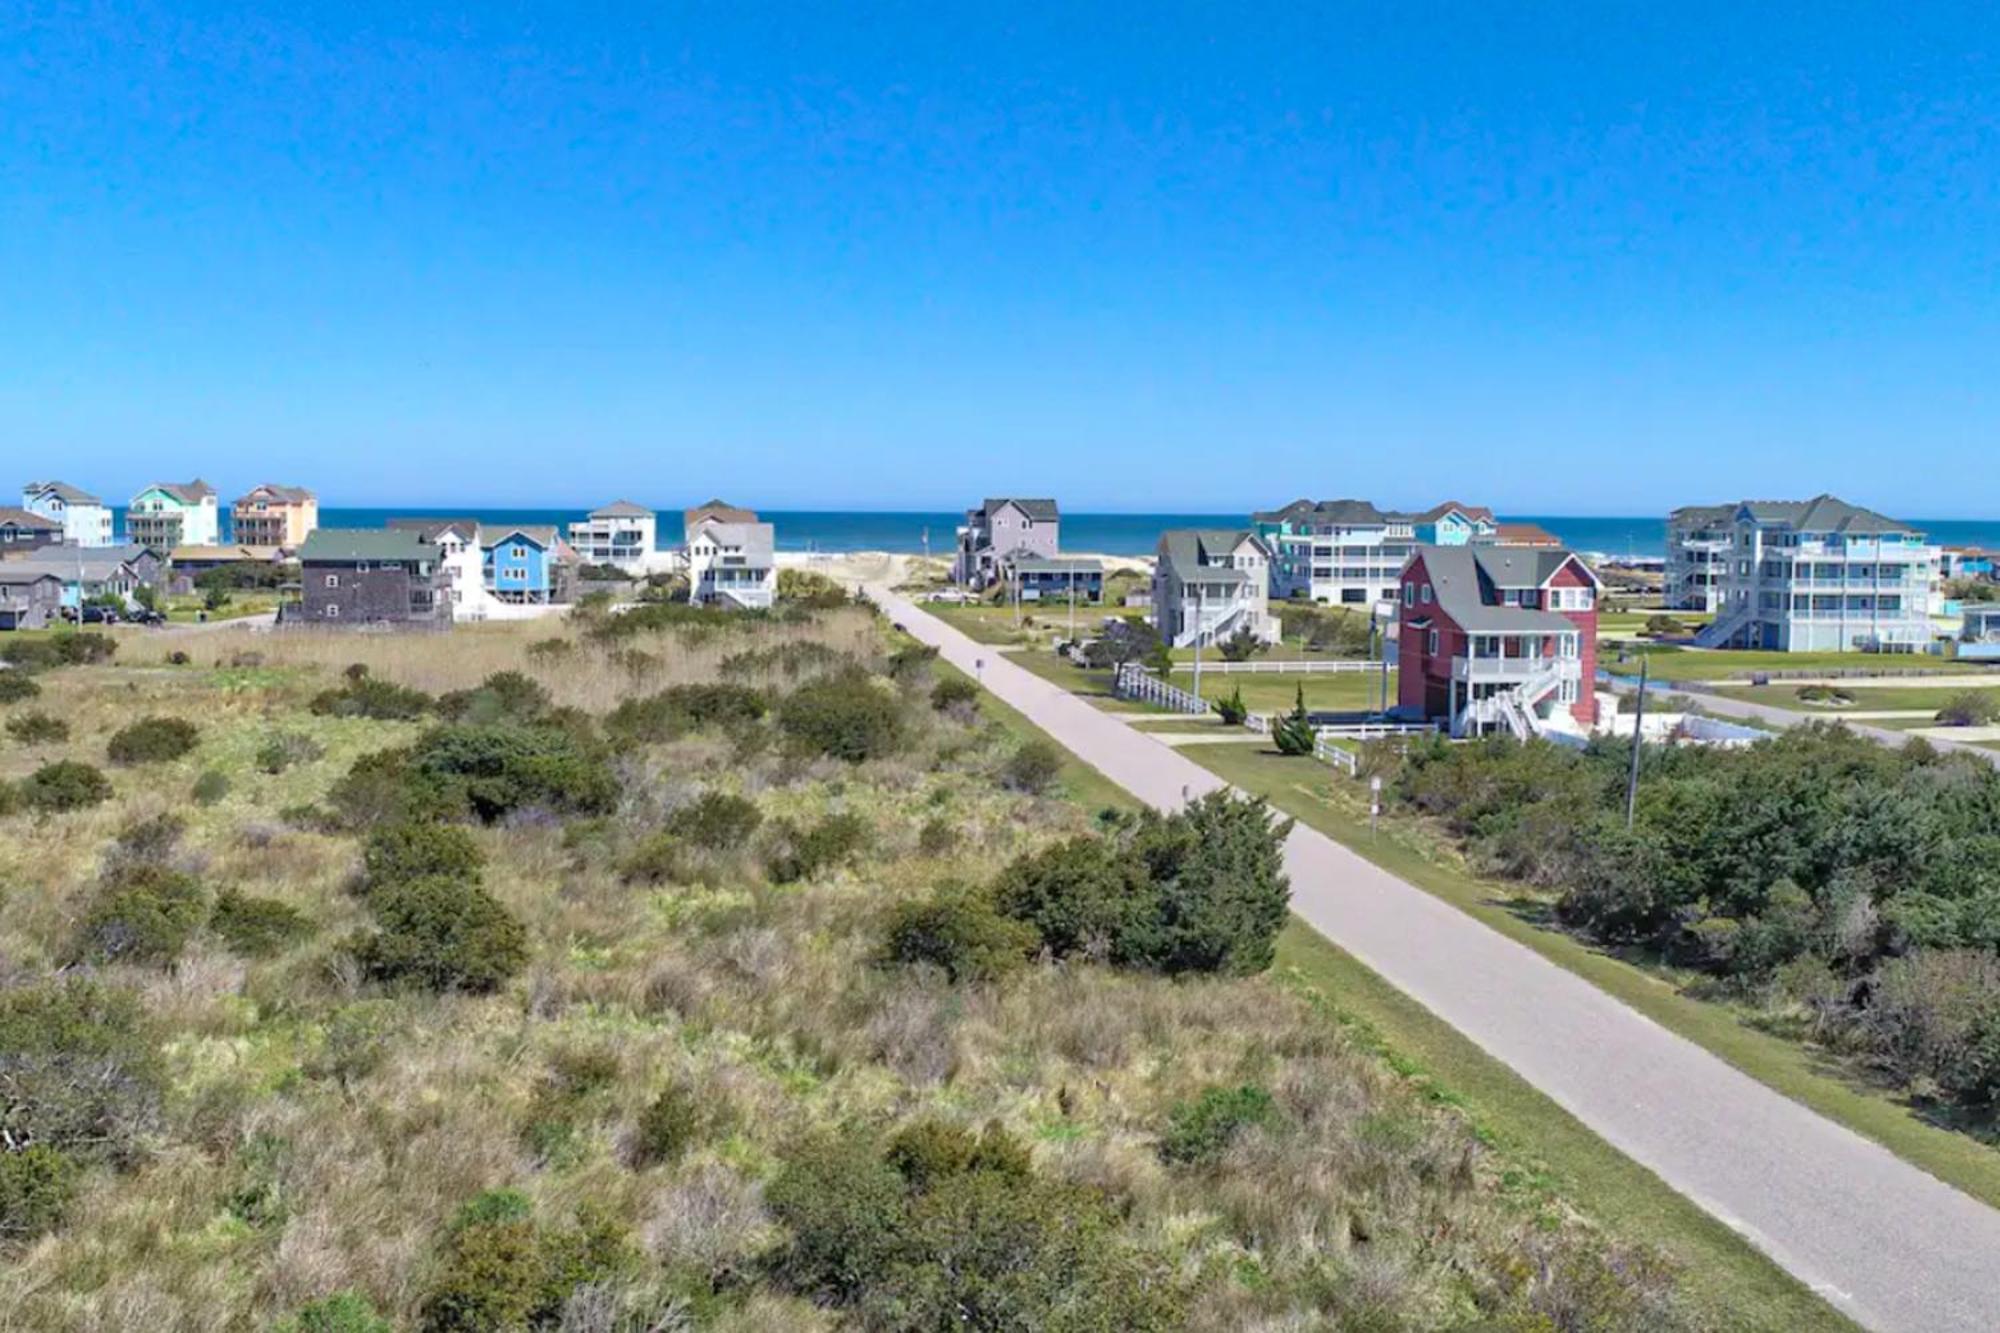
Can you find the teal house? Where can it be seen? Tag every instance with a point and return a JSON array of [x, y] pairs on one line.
[[529, 565]]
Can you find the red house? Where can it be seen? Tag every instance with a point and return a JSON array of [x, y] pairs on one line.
[[1498, 637]]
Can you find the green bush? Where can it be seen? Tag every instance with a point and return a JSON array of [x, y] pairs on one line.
[[494, 770], [284, 749], [1970, 708], [1232, 710], [1292, 733], [1082, 896], [152, 740], [442, 934], [80, 1071], [210, 788], [958, 931], [398, 853], [36, 1185], [504, 696], [911, 664], [1242, 646], [657, 860], [257, 927], [368, 696], [954, 693], [37, 729], [17, 685], [1200, 1130], [1032, 768], [844, 717], [809, 588], [64, 785], [672, 1123], [680, 709], [938, 837], [143, 914], [806, 854], [499, 1269], [342, 1312], [714, 820], [931, 1151]]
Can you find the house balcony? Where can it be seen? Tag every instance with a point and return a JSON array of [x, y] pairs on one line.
[[1509, 670]]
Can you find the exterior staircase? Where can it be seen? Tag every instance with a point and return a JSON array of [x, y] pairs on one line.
[[1210, 629], [1719, 632], [1514, 707]]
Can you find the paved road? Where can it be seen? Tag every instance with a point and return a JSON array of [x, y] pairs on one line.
[[1890, 1245], [1722, 706]]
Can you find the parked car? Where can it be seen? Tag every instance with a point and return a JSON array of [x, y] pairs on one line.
[[99, 615]]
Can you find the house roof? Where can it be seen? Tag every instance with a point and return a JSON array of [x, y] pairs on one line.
[[65, 562], [21, 518], [1190, 551], [288, 494], [1040, 509], [622, 509], [755, 539], [1822, 513], [262, 555], [1692, 514], [1035, 564], [187, 492], [63, 491], [541, 534], [1365, 513], [718, 509], [346, 545], [1477, 513], [1525, 534], [429, 529], [19, 574], [1460, 576]]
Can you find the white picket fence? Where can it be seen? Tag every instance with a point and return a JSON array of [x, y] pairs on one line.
[[1327, 752], [1135, 682], [1303, 666]]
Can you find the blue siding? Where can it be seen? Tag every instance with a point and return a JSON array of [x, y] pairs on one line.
[[517, 564]]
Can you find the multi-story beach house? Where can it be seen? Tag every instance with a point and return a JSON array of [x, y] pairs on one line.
[[1979, 632], [1498, 638], [21, 530], [730, 558], [530, 565], [167, 514], [1002, 529], [29, 598], [1823, 575], [1061, 580], [95, 571], [85, 519], [370, 576], [1697, 568], [620, 534], [464, 560], [1211, 584], [1349, 552], [271, 515]]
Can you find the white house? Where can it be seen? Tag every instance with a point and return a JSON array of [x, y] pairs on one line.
[[167, 514], [85, 519], [620, 534], [731, 563], [463, 561], [1208, 584]]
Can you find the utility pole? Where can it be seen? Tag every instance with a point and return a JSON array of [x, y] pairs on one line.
[[1638, 733], [1198, 631], [1072, 603]]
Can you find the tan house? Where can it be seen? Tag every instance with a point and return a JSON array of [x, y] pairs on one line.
[[271, 515]]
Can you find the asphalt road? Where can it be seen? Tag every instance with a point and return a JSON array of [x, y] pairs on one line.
[[1891, 1246]]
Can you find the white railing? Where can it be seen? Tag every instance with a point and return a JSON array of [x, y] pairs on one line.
[[1209, 628], [1135, 682], [1718, 632], [1374, 730], [1327, 752], [1295, 666]]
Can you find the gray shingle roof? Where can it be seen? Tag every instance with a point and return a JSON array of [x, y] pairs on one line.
[[429, 528], [288, 494], [1042, 510], [1189, 552], [187, 492], [19, 574], [622, 509], [1823, 513], [21, 518], [756, 540], [96, 562], [1695, 515], [67, 493], [1363, 513], [1460, 576], [345, 545]]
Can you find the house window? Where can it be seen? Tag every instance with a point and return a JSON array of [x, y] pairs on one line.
[[333, 580], [333, 610], [1433, 643], [1425, 597], [519, 553], [1409, 594]]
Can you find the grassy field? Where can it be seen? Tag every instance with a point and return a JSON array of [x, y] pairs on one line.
[[1339, 692], [188, 609], [680, 1028], [1931, 696], [1337, 807], [1671, 663]]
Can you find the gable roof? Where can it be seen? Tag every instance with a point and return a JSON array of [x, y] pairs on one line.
[[622, 509], [347, 545], [1477, 513], [1822, 513], [1692, 514], [91, 563], [232, 554], [755, 539], [718, 509], [187, 492], [63, 491], [540, 534], [1190, 551], [429, 529], [288, 494], [1460, 575], [1040, 509], [21, 518], [19, 573], [1525, 534]]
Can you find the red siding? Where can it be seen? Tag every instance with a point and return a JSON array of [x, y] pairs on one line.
[[1572, 575], [1423, 678]]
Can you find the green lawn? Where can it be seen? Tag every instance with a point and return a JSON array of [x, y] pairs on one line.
[[1344, 691], [186, 610], [1669, 663], [1334, 805], [1867, 698], [1630, 624]]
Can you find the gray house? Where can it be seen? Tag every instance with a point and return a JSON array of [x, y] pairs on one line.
[[999, 530], [23, 531], [29, 598], [95, 571], [370, 576]]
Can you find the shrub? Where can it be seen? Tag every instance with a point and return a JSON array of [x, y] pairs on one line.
[[442, 934], [714, 820], [152, 740], [16, 686], [1032, 768], [382, 787], [811, 589], [654, 861], [80, 1073], [398, 853], [1242, 646], [911, 664], [504, 696], [930, 1151], [954, 692], [144, 914], [957, 931], [844, 717], [1292, 733], [1233, 711], [257, 927], [499, 1269], [342, 1312], [938, 837], [495, 770], [1970, 708], [672, 1122], [210, 788], [371, 697], [1199, 1131], [38, 729], [284, 749], [64, 785], [1082, 896], [681, 709], [807, 854], [36, 1186]]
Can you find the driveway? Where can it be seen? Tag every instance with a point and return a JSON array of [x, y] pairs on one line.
[[1888, 1244]]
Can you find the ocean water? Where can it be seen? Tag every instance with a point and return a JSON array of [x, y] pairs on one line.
[[1106, 534]]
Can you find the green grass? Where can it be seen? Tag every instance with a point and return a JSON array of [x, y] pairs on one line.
[[1321, 799], [1080, 782], [1345, 691], [1630, 624], [1867, 698], [1670, 663], [1547, 1148], [186, 610]]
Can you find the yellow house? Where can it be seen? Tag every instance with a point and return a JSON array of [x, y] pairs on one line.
[[271, 515]]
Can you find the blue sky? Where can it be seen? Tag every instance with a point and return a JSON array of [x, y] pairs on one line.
[[1589, 258]]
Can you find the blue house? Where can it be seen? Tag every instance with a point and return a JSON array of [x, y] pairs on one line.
[[1040, 579], [530, 565]]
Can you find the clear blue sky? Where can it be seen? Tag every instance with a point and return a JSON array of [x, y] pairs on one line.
[[1583, 258]]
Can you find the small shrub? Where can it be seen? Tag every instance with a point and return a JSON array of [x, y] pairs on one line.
[[38, 729], [64, 785], [210, 788], [954, 692], [1082, 896], [1970, 708], [494, 770], [938, 837], [179, 657], [146, 914], [16, 686], [1232, 710], [399, 853], [959, 932], [442, 934], [843, 717], [82, 648], [342, 1312], [504, 696], [930, 1152], [81, 1074], [152, 740], [36, 1186], [286, 749], [912, 663], [1199, 1131], [676, 711], [1032, 768], [257, 927], [657, 860], [499, 1269], [371, 697], [672, 1122], [715, 820], [823, 847], [1292, 733]]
